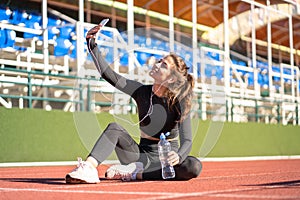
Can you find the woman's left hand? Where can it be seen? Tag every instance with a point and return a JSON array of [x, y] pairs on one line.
[[173, 158], [93, 31]]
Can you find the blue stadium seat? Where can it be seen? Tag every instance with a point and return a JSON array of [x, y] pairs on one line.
[[142, 41], [266, 79], [288, 72], [107, 33], [198, 70], [142, 57], [10, 38], [190, 70], [109, 54], [54, 22], [177, 48], [2, 38], [124, 35], [85, 32], [62, 46], [5, 14], [276, 69], [74, 49], [208, 71], [124, 58], [34, 22], [250, 76], [261, 64], [7, 38], [137, 39], [29, 35], [24, 17], [53, 30], [242, 63], [234, 61], [19, 18], [66, 31], [213, 55], [219, 72], [52, 33], [188, 57], [241, 71], [159, 44], [150, 43], [260, 79], [15, 17]]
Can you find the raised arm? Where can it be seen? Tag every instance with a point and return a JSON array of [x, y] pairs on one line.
[[123, 84]]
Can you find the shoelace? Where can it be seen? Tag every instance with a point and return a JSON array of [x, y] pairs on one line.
[[80, 164]]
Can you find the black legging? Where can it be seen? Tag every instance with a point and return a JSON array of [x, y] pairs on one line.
[[115, 137]]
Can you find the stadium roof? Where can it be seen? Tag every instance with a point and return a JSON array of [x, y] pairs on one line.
[[210, 12], [280, 37], [209, 15]]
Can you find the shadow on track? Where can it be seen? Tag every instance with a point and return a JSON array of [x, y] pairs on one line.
[[48, 181]]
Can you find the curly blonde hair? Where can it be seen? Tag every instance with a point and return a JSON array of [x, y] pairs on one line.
[[182, 89]]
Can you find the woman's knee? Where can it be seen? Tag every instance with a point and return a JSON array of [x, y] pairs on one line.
[[114, 126], [197, 166], [113, 130], [190, 168]]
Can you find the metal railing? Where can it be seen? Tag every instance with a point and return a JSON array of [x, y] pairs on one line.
[[90, 94]]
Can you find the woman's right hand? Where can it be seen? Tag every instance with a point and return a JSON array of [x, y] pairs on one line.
[[93, 31]]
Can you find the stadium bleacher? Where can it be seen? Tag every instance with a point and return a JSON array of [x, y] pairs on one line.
[[5, 14], [62, 35], [63, 43]]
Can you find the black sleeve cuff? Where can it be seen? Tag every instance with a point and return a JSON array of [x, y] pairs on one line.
[[91, 42]]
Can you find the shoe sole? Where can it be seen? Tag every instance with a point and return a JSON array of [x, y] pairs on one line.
[[71, 180]]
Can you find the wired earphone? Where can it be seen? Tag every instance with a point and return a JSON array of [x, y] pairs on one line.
[[150, 109]]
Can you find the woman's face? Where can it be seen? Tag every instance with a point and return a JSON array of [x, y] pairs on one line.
[[161, 70]]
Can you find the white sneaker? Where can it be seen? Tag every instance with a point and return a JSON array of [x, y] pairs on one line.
[[83, 173], [124, 172]]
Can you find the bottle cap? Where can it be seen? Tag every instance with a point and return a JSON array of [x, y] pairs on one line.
[[162, 136]]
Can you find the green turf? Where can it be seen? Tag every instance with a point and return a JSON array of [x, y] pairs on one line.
[[38, 135], [254, 139]]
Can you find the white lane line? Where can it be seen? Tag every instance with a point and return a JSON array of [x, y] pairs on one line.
[[246, 175], [255, 196], [250, 158], [224, 193], [32, 175], [167, 195], [83, 191]]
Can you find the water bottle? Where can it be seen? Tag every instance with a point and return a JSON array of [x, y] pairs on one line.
[[164, 148]]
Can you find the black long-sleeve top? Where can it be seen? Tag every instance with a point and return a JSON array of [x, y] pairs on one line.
[[153, 122]]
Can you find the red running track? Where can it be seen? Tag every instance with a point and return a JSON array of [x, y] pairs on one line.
[[272, 179]]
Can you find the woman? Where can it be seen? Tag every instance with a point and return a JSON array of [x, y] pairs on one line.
[[162, 107]]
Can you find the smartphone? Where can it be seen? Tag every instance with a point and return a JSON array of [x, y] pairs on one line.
[[103, 22]]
